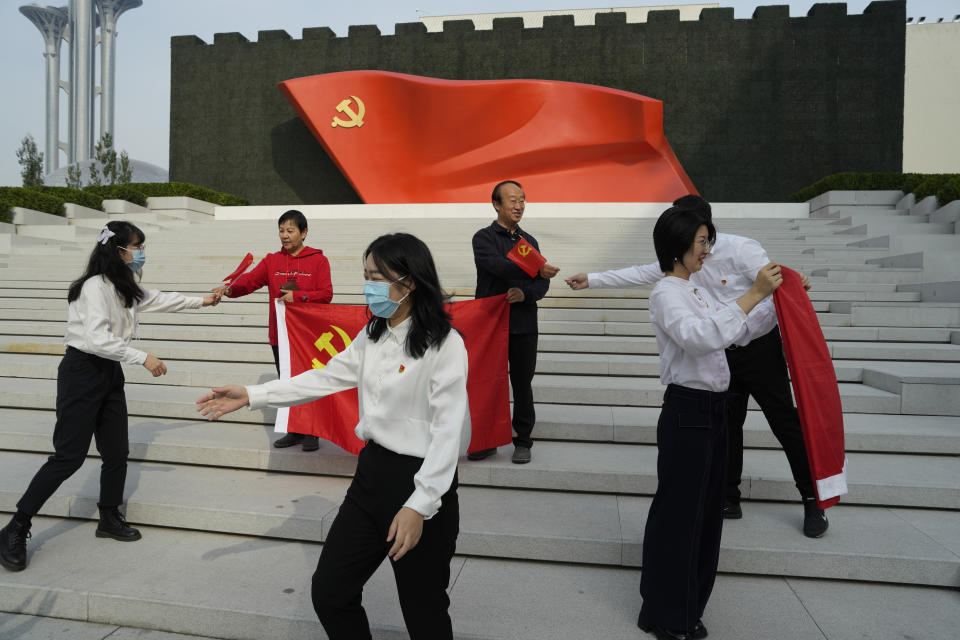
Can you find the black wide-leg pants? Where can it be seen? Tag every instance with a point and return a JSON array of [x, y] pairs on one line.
[[681, 542], [522, 355], [90, 404], [356, 545], [760, 370]]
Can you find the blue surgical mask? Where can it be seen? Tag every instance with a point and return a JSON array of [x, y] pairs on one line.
[[378, 298], [139, 258]]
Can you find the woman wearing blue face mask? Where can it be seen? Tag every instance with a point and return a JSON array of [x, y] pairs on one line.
[[101, 321], [410, 369]]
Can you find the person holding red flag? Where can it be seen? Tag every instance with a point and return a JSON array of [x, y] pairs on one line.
[[681, 540], [295, 274], [409, 367], [757, 365], [506, 264]]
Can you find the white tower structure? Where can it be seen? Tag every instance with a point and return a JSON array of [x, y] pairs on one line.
[[109, 11], [77, 25], [53, 23]]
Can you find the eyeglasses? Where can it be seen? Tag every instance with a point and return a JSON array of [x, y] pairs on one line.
[[704, 242], [136, 247]]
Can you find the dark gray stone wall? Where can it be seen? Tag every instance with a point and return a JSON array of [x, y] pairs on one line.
[[754, 109]]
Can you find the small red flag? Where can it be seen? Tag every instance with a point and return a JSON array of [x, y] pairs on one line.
[[246, 262], [527, 258]]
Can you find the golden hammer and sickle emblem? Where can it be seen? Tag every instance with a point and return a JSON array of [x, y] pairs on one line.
[[523, 250], [324, 343], [356, 119]]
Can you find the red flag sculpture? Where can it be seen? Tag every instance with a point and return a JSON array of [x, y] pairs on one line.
[[236, 273], [814, 388], [311, 334], [408, 139], [526, 257]]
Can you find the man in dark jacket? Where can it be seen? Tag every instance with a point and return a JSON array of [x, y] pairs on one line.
[[497, 274]]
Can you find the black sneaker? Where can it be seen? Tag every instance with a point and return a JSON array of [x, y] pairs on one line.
[[288, 440], [521, 455], [13, 546], [310, 443], [481, 454], [732, 510], [814, 519], [114, 525]]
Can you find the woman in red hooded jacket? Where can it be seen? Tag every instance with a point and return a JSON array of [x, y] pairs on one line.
[[295, 274]]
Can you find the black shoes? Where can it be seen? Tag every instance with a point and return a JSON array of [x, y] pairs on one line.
[[310, 443], [521, 454], [113, 525], [13, 546], [731, 510], [288, 440], [814, 519], [698, 632], [481, 454]]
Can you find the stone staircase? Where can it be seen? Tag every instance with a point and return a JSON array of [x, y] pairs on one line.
[[232, 527]]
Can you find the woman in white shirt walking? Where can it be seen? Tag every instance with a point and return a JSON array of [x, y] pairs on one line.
[[681, 542], [410, 369], [104, 304]]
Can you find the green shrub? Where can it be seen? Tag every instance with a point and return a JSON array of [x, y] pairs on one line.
[[185, 189], [943, 185], [77, 196], [118, 192], [28, 198]]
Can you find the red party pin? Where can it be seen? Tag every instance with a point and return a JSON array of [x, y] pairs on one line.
[[401, 369], [723, 282]]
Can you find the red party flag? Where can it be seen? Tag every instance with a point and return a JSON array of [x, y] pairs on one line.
[[527, 258], [311, 334], [246, 262], [815, 388]]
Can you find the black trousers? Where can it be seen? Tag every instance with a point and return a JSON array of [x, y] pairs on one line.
[[356, 546], [90, 404], [681, 542], [522, 355], [760, 370]]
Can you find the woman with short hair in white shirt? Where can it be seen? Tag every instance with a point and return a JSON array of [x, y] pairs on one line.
[[681, 542], [410, 369], [104, 304]]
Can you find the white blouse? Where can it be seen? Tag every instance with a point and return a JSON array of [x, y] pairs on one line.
[[411, 406], [728, 272], [99, 324], [692, 331]]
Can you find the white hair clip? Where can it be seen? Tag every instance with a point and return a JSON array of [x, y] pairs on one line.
[[105, 234]]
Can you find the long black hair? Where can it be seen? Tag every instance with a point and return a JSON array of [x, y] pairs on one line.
[[406, 255], [105, 261], [675, 231]]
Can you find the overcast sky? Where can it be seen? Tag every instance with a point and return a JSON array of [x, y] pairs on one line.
[[143, 52]]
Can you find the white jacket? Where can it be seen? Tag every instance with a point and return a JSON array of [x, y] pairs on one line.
[[99, 324]]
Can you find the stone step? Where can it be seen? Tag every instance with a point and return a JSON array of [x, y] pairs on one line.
[[183, 592], [895, 351], [155, 399], [865, 543], [601, 468]]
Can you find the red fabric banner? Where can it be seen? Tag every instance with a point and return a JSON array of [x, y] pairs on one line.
[[526, 257], [314, 333], [814, 388]]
